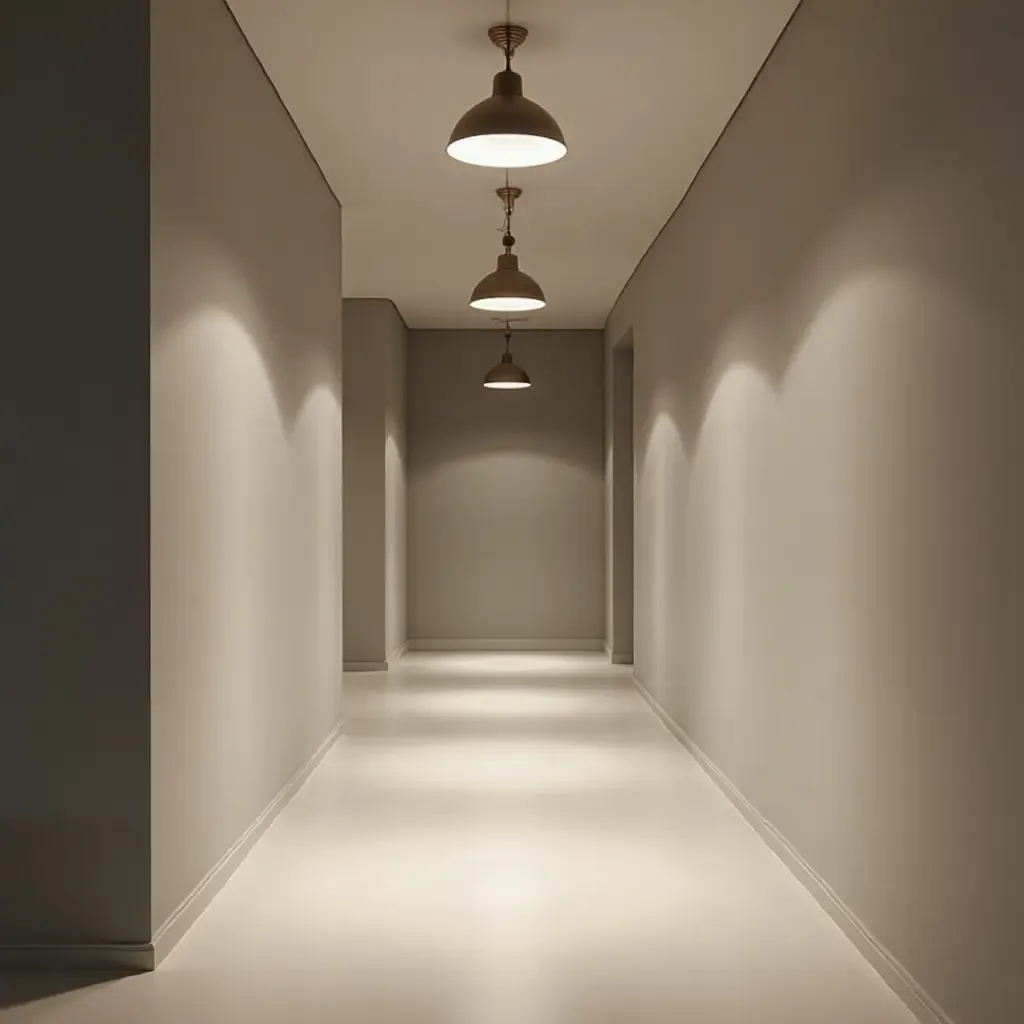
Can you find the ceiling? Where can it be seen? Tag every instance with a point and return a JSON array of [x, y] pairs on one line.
[[642, 90]]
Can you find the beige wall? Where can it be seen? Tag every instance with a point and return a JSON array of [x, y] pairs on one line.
[[245, 446], [395, 492], [830, 461], [364, 474], [506, 503], [375, 340], [619, 498], [74, 580]]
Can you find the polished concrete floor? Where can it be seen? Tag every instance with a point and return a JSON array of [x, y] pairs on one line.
[[501, 839]]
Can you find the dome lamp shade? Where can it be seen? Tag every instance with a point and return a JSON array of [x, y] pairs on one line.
[[507, 376], [507, 289], [507, 129]]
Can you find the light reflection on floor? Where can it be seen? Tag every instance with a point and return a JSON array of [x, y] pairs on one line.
[[499, 839]]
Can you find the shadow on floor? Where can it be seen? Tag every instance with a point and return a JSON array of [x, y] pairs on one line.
[[19, 988]]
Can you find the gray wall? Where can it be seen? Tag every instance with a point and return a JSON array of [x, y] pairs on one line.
[[395, 500], [374, 507], [364, 472], [619, 499], [246, 446], [506, 500], [74, 633], [830, 461]]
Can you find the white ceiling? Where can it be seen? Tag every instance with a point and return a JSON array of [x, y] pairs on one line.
[[641, 88]]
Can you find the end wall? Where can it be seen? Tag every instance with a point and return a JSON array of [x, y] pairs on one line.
[[830, 456], [506, 502]]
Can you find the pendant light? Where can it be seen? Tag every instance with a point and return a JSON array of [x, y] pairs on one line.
[[507, 129], [507, 289], [506, 376]]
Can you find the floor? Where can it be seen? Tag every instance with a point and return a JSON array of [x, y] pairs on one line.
[[502, 839]]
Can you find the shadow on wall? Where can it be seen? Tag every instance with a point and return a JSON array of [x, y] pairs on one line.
[[246, 495], [503, 456], [481, 424], [916, 207], [220, 295], [829, 450], [921, 237], [900, 299]]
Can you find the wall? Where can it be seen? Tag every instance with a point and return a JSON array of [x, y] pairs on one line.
[[245, 446], [506, 502], [364, 473], [619, 499], [830, 448], [74, 580], [375, 339], [395, 500]]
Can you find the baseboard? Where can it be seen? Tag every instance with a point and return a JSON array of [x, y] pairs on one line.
[[116, 958], [171, 931], [376, 666], [140, 957], [896, 976], [561, 646], [617, 657]]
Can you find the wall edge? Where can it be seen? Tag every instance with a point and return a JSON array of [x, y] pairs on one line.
[[892, 972], [174, 928]]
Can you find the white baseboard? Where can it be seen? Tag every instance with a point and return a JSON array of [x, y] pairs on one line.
[[171, 931], [896, 976], [560, 646], [617, 657], [376, 666]]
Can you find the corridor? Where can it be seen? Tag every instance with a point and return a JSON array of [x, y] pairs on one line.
[[501, 839]]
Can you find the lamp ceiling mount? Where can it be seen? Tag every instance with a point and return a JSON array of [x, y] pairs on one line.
[[507, 37], [507, 129], [508, 194]]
